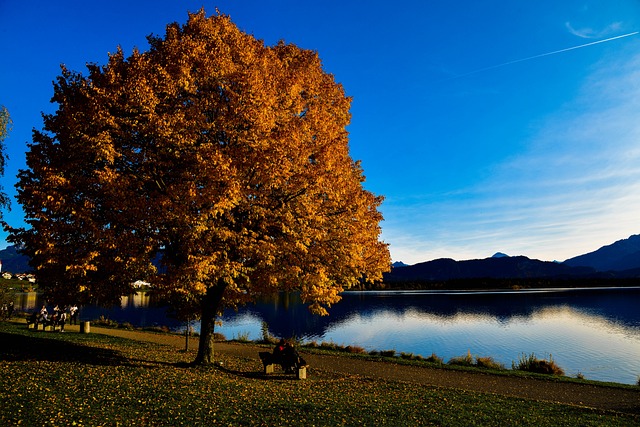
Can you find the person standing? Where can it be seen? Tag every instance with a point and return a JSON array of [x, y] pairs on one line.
[[62, 319], [43, 317], [73, 314]]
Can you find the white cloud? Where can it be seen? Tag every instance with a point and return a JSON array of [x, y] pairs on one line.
[[591, 33]]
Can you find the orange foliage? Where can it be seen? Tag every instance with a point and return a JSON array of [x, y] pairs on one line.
[[229, 157]]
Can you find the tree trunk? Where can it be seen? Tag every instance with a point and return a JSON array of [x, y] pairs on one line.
[[187, 332], [210, 306]]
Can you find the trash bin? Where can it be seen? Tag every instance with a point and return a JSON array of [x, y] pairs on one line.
[[85, 327]]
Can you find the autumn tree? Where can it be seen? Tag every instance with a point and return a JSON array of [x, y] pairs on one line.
[[225, 158]]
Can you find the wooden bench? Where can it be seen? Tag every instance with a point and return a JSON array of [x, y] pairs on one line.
[[47, 325], [269, 362], [50, 325]]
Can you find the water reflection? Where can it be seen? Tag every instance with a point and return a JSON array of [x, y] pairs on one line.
[[287, 316], [594, 332], [26, 301], [137, 300], [140, 309]]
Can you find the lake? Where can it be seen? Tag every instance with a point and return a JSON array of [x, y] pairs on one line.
[[592, 332]]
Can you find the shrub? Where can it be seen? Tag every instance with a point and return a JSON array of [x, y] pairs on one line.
[[266, 336], [488, 363], [408, 356], [126, 325], [525, 362], [388, 353], [243, 337], [105, 322], [435, 359], [329, 346], [540, 366], [294, 340], [466, 360], [355, 349]]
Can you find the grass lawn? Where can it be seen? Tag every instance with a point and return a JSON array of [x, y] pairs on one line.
[[54, 379]]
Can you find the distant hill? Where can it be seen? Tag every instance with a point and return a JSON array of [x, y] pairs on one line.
[[13, 261], [618, 260], [519, 267], [621, 255], [499, 255], [398, 264]]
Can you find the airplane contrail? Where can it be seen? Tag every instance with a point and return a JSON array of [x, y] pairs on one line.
[[542, 55]]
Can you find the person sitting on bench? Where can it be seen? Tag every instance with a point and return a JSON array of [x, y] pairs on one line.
[[279, 349], [287, 357]]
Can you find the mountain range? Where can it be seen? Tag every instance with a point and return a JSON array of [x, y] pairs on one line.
[[13, 261], [617, 260], [620, 260], [619, 256]]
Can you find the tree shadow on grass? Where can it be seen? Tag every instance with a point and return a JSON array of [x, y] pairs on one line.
[[278, 376], [14, 347]]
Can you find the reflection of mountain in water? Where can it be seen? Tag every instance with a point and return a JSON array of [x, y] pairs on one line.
[[287, 316]]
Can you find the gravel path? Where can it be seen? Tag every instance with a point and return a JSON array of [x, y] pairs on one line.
[[586, 395]]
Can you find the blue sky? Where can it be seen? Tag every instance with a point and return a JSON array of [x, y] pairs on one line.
[[478, 122]]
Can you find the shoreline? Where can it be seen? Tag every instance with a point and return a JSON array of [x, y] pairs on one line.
[[593, 394], [475, 364], [493, 290]]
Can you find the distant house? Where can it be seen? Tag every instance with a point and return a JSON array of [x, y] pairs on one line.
[[26, 276], [141, 284]]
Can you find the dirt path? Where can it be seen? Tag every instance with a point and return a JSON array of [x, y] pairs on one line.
[[592, 396]]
